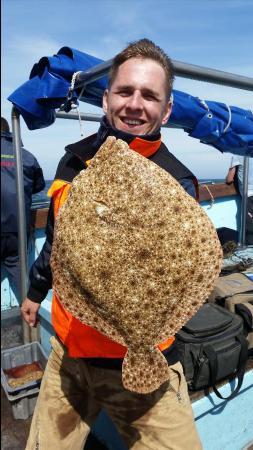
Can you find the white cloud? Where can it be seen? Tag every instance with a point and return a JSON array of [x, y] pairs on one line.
[[32, 47]]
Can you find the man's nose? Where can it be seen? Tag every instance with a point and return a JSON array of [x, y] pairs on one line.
[[135, 101]]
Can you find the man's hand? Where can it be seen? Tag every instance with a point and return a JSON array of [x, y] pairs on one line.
[[230, 175], [29, 312]]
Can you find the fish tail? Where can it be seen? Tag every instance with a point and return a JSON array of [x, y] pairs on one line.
[[144, 372]]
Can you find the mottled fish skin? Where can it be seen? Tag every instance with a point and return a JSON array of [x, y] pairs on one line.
[[134, 256]]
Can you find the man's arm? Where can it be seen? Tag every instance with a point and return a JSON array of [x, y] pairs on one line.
[[38, 178], [231, 175], [188, 186], [40, 275]]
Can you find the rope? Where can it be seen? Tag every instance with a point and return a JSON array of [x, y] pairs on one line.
[[229, 118], [73, 104], [211, 195], [210, 115]]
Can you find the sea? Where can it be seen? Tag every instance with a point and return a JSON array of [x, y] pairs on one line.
[[42, 200]]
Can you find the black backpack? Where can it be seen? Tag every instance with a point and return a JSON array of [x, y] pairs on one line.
[[212, 346]]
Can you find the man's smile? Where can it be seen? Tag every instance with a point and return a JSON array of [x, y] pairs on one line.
[[132, 121]]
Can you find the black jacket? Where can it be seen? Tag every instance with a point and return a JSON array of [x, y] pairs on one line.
[[33, 182]]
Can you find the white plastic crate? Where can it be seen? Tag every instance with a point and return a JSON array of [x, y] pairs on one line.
[[23, 403]]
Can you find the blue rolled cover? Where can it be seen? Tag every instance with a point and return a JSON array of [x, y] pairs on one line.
[[227, 128]]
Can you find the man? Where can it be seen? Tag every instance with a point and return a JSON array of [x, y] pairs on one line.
[[235, 174], [83, 373], [33, 183]]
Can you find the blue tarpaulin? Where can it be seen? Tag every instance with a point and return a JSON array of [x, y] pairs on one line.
[[227, 128]]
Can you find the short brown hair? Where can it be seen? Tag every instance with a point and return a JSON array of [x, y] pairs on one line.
[[144, 49]]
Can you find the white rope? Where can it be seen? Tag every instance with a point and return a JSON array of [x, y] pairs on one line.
[[73, 80], [211, 195], [210, 115], [229, 118], [75, 105]]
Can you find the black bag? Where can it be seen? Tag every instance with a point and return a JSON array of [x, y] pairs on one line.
[[211, 347]]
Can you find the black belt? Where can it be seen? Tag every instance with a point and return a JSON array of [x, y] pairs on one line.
[[170, 354]]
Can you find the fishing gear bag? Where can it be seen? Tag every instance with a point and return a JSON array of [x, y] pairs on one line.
[[235, 292], [228, 287], [211, 347]]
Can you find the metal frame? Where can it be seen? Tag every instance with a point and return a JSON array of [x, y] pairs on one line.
[[83, 78], [183, 70]]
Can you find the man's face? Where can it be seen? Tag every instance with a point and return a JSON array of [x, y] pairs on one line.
[[136, 102]]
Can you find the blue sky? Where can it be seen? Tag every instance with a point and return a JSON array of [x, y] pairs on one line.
[[211, 33]]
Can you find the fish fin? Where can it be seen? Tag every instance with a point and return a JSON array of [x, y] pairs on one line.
[[144, 372]]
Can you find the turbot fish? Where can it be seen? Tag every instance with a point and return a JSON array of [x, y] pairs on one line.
[[134, 257]]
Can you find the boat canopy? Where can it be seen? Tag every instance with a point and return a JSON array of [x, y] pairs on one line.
[[71, 76]]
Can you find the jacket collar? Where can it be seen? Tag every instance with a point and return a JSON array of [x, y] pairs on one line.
[[145, 145]]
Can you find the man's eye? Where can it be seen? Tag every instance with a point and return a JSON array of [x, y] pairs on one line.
[[150, 97], [124, 93]]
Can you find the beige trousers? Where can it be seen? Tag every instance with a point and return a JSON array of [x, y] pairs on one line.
[[73, 392]]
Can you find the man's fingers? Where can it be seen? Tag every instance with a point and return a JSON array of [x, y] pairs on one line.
[[29, 312], [32, 319], [28, 316]]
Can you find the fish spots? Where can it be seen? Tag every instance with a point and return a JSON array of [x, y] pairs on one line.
[[135, 222], [189, 244], [176, 209], [151, 292], [144, 254], [104, 275], [160, 271], [176, 281]]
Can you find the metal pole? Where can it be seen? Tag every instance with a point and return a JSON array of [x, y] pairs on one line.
[[97, 117], [194, 72], [22, 240], [93, 74], [182, 69], [21, 202], [74, 115], [242, 239]]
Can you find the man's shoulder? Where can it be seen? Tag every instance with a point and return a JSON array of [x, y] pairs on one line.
[[6, 145], [73, 161], [165, 159], [83, 148], [27, 155]]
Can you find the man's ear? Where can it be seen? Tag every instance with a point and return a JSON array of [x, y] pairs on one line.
[[167, 112], [105, 101]]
